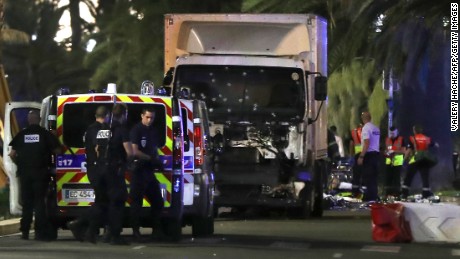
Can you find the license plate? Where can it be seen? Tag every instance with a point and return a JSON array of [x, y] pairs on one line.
[[79, 195]]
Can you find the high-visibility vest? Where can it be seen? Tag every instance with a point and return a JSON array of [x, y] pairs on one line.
[[395, 145], [356, 136], [420, 143]]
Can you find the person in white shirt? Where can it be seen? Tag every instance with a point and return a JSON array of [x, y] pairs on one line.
[[369, 157]]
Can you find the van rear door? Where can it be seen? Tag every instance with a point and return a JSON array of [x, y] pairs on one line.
[[15, 120]]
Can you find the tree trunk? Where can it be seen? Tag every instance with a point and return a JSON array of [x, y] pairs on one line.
[[75, 23]]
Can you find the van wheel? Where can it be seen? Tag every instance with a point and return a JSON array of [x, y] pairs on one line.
[[202, 226], [173, 229]]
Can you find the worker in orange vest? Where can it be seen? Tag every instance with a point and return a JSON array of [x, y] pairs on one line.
[[418, 143], [355, 151], [394, 160]]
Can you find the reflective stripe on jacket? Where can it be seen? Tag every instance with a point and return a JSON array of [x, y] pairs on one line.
[[356, 136], [395, 145], [419, 142]]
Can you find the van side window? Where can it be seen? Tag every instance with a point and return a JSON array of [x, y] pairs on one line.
[[76, 119], [78, 116]]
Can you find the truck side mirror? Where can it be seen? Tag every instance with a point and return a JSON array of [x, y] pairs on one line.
[[320, 88], [167, 80]]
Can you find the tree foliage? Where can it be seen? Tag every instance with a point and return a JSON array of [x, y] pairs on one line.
[[43, 66], [352, 88]]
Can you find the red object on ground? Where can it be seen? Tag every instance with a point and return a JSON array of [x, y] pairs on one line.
[[389, 224]]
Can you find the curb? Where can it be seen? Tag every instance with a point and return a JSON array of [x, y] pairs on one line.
[[450, 199], [9, 226]]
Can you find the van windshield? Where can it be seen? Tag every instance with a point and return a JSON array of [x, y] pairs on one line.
[[245, 93], [78, 116]]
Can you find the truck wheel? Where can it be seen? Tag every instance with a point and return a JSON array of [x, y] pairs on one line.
[[306, 196], [319, 183], [202, 226], [172, 228], [318, 209]]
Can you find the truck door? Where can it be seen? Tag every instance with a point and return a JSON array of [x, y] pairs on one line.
[[15, 120]]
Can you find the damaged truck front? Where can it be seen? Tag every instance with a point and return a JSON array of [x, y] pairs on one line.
[[262, 77]]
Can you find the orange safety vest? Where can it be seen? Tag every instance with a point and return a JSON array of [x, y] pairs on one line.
[[395, 145], [356, 136], [421, 143]]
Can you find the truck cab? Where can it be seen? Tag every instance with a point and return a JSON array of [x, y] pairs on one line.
[[262, 77]]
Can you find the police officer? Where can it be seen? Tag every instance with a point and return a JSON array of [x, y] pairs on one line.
[[113, 159], [80, 227], [108, 151], [369, 157], [144, 139], [31, 150], [394, 159]]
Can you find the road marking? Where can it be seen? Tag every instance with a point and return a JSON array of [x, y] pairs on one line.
[[138, 247], [290, 245], [455, 252], [337, 255], [382, 249]]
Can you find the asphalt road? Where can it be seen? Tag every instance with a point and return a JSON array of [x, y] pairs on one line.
[[339, 234]]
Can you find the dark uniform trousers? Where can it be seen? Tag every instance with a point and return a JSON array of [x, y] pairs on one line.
[[108, 181], [412, 170], [393, 180], [143, 182], [370, 175], [33, 194]]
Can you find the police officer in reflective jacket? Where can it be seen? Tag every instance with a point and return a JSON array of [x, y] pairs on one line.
[[143, 181], [31, 151]]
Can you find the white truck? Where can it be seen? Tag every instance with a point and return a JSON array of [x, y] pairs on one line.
[[262, 77]]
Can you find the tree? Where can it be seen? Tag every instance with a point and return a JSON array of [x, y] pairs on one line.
[[348, 101], [8, 35], [43, 66], [130, 39]]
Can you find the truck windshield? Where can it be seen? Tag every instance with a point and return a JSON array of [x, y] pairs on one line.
[[78, 116], [246, 93]]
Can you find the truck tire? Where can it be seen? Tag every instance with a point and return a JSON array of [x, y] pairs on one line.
[[306, 196], [319, 183]]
